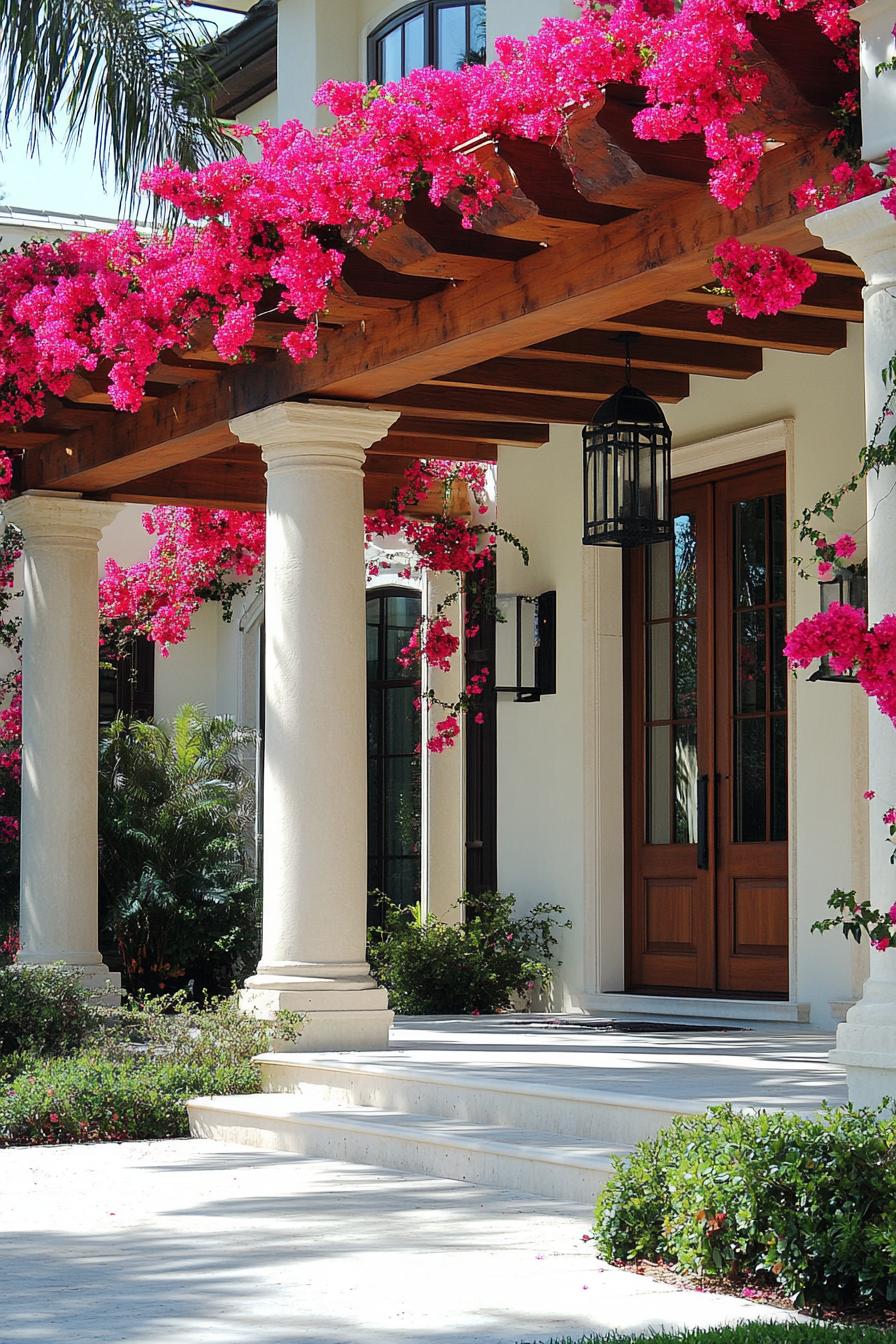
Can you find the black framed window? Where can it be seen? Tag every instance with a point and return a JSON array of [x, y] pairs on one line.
[[128, 685], [393, 761], [437, 32]]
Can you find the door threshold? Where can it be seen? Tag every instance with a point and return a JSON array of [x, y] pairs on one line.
[[679, 1006]]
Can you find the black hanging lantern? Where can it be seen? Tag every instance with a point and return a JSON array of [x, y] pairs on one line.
[[627, 469], [848, 584]]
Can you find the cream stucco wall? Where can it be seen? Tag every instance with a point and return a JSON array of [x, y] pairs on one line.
[[327, 39], [549, 846], [214, 667]]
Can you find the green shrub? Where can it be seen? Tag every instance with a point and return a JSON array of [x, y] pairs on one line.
[[44, 1010], [143, 1063], [176, 804], [480, 966], [88, 1098], [806, 1203]]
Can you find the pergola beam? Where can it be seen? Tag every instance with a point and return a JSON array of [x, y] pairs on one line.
[[580, 282]]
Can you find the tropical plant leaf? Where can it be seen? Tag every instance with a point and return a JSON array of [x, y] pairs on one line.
[[136, 74]]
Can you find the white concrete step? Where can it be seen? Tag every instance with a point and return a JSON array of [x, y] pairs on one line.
[[564, 1168], [678, 1008], [324, 1082]]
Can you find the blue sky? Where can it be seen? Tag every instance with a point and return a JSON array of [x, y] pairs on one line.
[[67, 183]]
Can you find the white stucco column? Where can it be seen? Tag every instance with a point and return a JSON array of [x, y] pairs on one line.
[[866, 1041], [60, 730], [443, 821], [315, 770]]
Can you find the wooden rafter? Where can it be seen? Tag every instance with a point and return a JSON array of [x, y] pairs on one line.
[[592, 278]]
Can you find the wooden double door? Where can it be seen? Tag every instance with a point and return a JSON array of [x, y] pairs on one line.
[[707, 907]]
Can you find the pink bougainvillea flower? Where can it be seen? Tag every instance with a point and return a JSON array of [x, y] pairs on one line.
[[845, 546]]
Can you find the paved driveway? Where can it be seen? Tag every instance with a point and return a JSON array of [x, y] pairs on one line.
[[198, 1243]]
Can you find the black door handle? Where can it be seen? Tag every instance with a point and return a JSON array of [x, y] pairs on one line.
[[703, 821]]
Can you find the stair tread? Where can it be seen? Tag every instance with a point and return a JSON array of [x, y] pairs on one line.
[[482, 1081], [546, 1147]]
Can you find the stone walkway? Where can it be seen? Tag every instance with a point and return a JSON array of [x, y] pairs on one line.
[[201, 1243]]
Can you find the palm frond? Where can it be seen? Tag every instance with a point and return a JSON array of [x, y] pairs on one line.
[[135, 73]]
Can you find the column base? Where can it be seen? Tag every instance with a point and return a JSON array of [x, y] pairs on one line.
[[104, 985], [866, 1046], [340, 1014]]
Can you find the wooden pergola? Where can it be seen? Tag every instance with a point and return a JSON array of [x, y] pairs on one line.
[[486, 336]]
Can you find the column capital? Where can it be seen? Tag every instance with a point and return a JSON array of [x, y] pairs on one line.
[[294, 430], [44, 515], [864, 230]]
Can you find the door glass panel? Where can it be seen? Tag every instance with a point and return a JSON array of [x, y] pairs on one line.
[[749, 666], [749, 553], [671, 680], [685, 669], [659, 692], [686, 784], [758, 670], [778, 661], [779, 546], [749, 780], [685, 564], [659, 751], [658, 572]]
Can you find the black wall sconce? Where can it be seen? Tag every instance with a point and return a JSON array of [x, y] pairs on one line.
[[526, 646], [848, 584]]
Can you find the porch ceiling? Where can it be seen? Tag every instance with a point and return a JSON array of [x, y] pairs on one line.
[[485, 336]]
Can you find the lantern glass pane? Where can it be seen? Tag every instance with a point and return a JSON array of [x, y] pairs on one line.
[[505, 640], [830, 591], [646, 476]]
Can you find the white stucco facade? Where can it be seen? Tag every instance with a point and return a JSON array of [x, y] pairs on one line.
[[560, 761], [560, 821]]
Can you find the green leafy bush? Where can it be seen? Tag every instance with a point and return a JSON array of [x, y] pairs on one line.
[[44, 1010], [480, 966], [806, 1203], [140, 1067], [175, 814]]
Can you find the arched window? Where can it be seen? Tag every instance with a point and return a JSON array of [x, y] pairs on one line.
[[393, 761], [435, 32]]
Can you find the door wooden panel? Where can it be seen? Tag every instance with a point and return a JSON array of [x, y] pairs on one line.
[[706, 742]]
